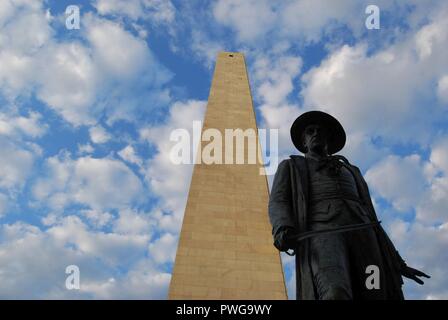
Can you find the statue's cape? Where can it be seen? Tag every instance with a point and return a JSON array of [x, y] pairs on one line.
[[291, 182]]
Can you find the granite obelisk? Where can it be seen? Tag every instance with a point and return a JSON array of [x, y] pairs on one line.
[[225, 248]]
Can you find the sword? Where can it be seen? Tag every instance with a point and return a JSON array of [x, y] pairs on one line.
[[351, 227]]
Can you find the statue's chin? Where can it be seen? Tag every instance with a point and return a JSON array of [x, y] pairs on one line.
[[318, 149]]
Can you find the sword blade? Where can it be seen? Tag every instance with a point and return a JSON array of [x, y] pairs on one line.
[[351, 227]]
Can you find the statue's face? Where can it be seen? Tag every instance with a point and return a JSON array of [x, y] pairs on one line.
[[315, 138]]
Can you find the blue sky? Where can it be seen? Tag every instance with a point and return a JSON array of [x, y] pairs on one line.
[[85, 117]]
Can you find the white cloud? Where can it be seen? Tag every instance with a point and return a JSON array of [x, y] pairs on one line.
[[435, 201], [343, 86], [412, 184], [442, 89], [3, 204], [361, 151], [97, 218], [99, 183], [26, 17], [14, 73], [439, 154], [144, 281], [132, 8], [399, 180], [158, 11], [112, 248], [433, 207], [105, 74], [308, 20], [295, 20], [85, 148], [274, 76], [128, 154], [424, 247], [85, 79], [131, 77], [381, 94], [68, 85], [164, 249], [205, 48], [168, 181], [429, 37], [251, 19], [27, 47], [131, 222], [28, 260], [281, 118], [398, 230], [15, 165], [105, 182], [31, 258], [17, 154], [30, 126], [6, 8], [99, 135], [110, 55], [24, 32]]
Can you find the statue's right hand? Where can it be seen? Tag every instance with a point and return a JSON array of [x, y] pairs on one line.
[[285, 239]]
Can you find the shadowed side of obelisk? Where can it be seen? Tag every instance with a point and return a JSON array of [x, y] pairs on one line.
[[225, 248]]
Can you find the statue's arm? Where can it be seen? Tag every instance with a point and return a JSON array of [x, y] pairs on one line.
[[405, 270], [280, 207]]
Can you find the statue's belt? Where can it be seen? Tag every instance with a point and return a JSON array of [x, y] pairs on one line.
[[350, 227]]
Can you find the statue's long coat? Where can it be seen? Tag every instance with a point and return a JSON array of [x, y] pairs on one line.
[[288, 206]]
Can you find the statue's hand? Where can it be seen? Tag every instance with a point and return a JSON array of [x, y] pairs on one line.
[[412, 273], [285, 239]]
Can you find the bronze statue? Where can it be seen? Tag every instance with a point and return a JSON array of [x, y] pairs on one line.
[[320, 208]]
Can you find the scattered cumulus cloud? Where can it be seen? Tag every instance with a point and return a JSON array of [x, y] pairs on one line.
[[100, 183], [86, 116], [99, 135]]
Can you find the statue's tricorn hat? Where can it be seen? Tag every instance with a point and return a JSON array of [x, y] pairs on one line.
[[336, 139]]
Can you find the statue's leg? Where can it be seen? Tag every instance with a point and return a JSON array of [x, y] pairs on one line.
[[330, 268]]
